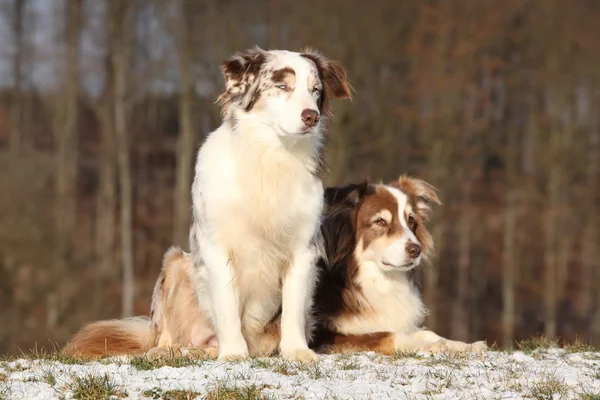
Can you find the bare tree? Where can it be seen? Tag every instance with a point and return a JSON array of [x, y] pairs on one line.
[[186, 142], [120, 44], [66, 160], [17, 73]]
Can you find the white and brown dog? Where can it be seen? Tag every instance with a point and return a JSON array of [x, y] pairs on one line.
[[257, 199], [373, 237]]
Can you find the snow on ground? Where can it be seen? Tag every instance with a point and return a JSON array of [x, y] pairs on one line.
[[542, 374]]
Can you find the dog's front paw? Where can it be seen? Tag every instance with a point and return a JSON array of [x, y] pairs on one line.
[[302, 355], [236, 352], [200, 352], [233, 354], [159, 352], [438, 346], [479, 346]]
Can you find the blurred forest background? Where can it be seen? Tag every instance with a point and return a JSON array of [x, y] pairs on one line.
[[103, 104]]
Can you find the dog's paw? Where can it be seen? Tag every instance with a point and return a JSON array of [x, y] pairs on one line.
[[236, 352], [233, 355], [200, 352], [438, 346], [303, 355], [479, 346], [159, 352], [457, 346]]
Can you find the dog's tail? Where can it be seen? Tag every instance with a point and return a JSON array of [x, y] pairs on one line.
[[111, 337]]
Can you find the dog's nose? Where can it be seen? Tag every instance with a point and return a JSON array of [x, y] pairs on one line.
[[310, 117], [413, 250]]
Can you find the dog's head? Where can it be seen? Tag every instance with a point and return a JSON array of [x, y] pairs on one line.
[[287, 91], [388, 221]]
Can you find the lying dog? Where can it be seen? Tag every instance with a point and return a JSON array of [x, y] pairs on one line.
[[373, 236]]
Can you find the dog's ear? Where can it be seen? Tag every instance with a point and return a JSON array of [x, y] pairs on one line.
[[335, 80], [423, 192], [241, 73], [350, 194]]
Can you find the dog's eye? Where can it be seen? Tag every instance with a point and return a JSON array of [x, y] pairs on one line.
[[412, 223], [282, 87], [380, 221], [316, 90]]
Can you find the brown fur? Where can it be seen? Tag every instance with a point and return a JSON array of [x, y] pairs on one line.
[[176, 301], [105, 338], [382, 342], [241, 71], [421, 193], [335, 86]]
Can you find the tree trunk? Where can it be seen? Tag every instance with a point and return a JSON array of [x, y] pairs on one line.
[[120, 56], [185, 142], [509, 237], [590, 260], [550, 288], [66, 162], [16, 100], [460, 320], [509, 269], [106, 203]]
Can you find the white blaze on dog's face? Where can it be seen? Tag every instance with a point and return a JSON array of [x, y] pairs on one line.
[[285, 90], [390, 229]]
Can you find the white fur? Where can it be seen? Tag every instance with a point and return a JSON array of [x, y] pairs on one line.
[[256, 208], [283, 112]]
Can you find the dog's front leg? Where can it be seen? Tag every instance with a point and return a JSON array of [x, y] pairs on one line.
[[298, 284], [225, 303], [454, 345]]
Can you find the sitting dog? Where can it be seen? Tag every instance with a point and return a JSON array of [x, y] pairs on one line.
[[257, 199]]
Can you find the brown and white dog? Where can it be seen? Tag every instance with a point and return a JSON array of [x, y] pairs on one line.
[[373, 236], [257, 198]]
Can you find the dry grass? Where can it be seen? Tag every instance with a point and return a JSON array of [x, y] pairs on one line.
[[93, 387], [157, 393], [224, 392]]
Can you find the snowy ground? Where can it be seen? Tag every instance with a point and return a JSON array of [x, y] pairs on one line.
[[536, 374]]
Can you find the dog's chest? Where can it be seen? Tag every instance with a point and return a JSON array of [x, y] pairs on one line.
[[395, 303], [262, 194]]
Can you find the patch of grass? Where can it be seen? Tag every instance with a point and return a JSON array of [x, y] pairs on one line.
[[590, 396], [348, 364], [313, 370], [145, 364], [49, 378], [278, 365], [49, 353], [251, 392], [157, 393], [454, 360], [93, 387], [536, 344], [579, 347], [548, 387], [402, 354]]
